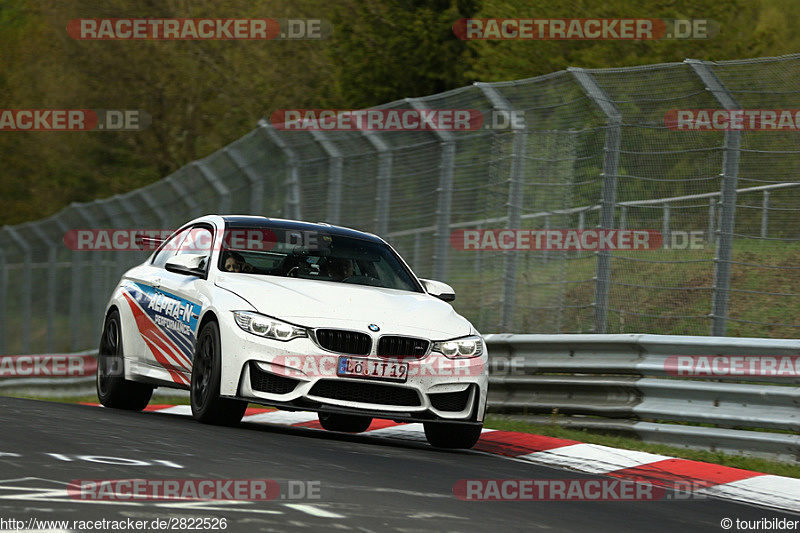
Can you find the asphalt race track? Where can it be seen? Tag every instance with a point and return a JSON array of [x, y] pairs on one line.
[[364, 483]]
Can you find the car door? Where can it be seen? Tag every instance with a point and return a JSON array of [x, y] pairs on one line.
[[158, 349], [177, 305]]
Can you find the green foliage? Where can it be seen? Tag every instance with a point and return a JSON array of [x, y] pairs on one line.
[[204, 95], [389, 50]]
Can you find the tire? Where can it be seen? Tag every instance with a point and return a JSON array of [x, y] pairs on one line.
[[207, 406], [452, 436], [113, 390], [344, 423]]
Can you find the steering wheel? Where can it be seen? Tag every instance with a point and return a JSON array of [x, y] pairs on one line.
[[363, 280]]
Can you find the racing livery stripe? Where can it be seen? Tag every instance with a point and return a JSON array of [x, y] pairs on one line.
[[144, 295], [155, 335], [153, 347], [146, 327], [175, 317]]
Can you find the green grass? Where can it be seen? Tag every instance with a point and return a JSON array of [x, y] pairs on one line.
[[628, 443], [656, 291]]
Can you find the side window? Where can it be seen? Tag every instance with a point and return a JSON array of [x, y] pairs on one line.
[[198, 241], [168, 250]]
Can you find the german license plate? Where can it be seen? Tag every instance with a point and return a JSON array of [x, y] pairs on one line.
[[357, 367]]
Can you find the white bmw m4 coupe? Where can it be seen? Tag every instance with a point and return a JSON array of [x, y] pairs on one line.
[[297, 316]]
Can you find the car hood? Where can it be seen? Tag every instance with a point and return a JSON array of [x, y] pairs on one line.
[[312, 303]]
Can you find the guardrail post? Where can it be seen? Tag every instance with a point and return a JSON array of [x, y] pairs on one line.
[[51, 285], [441, 238], [764, 215], [609, 193], [256, 183], [293, 205], [730, 177], [27, 288], [515, 192], [225, 195]]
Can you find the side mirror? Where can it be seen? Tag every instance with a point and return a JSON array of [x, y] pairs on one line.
[[187, 264], [440, 290]]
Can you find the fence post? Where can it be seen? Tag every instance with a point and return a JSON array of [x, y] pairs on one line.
[[384, 190], [181, 191], [3, 300], [256, 183], [712, 218], [75, 291], [96, 297], [515, 192], [293, 207], [51, 285], [764, 215], [105, 205], [609, 193], [665, 230], [417, 249], [27, 288], [730, 177], [225, 195], [153, 206], [334, 204], [444, 213]]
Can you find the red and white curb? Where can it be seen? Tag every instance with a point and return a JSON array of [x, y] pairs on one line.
[[709, 479]]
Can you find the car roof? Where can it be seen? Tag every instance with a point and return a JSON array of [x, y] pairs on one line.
[[249, 221]]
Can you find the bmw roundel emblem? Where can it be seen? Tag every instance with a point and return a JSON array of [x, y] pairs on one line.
[[374, 327]]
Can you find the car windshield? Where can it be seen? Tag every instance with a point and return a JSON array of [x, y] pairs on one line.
[[313, 255]]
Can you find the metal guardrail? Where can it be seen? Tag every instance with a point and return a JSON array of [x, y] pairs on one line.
[[621, 383], [614, 383]]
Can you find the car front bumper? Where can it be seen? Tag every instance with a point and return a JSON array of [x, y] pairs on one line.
[[300, 375]]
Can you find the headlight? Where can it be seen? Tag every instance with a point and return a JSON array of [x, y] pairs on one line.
[[264, 326], [466, 347]]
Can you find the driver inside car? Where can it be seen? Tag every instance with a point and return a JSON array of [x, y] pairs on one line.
[[340, 268], [234, 262]]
